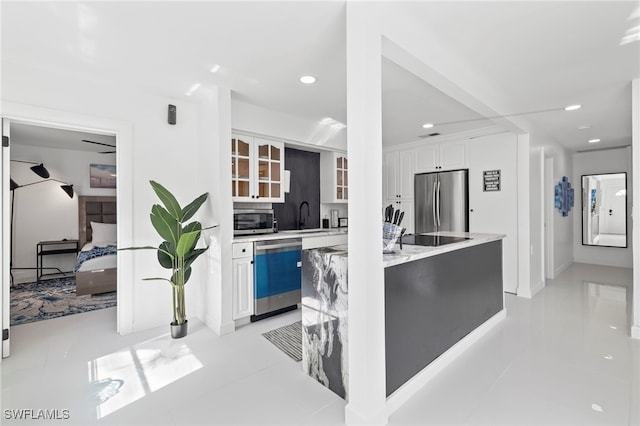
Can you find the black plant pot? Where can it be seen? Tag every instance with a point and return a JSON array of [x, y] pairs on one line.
[[179, 330]]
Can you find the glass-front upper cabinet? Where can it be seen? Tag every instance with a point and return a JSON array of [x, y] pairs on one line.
[[342, 179], [334, 177], [257, 167]]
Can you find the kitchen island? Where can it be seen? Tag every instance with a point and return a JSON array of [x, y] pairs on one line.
[[434, 298]]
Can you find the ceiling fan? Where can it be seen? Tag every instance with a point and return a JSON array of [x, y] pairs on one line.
[[103, 144]]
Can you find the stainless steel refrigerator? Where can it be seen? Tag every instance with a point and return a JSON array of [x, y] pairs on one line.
[[442, 201]]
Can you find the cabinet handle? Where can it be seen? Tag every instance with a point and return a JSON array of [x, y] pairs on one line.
[[243, 250], [252, 262], [471, 210], [253, 196]]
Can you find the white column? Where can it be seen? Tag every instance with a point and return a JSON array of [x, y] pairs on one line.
[[635, 173], [367, 396], [213, 164]]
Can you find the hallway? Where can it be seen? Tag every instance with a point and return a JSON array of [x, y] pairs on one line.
[[562, 358]]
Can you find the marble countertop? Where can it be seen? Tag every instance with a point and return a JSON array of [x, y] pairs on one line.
[[410, 253], [305, 233]]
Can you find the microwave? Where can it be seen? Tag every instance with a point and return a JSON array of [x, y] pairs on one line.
[[249, 222]]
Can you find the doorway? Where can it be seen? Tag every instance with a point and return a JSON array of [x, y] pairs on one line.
[[53, 172], [36, 116]]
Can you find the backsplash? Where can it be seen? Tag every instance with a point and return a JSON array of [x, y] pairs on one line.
[[304, 186]]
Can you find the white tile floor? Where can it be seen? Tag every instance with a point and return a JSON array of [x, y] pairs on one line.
[[563, 358]]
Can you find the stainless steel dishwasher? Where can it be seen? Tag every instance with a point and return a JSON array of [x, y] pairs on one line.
[[277, 276]]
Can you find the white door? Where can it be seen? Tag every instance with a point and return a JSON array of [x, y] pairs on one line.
[[6, 238]]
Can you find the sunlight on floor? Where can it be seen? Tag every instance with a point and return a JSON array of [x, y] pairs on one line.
[[123, 377]]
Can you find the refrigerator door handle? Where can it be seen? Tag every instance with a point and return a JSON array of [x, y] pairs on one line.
[[434, 205], [439, 203]]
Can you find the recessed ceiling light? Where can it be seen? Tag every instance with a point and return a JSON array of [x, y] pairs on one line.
[[572, 107], [307, 79], [427, 125], [192, 89], [594, 140], [215, 68]]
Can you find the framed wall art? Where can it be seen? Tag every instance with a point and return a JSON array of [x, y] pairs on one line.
[[102, 176]]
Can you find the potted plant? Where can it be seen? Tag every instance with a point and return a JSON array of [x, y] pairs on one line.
[[178, 250]]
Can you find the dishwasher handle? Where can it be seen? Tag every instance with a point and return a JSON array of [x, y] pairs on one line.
[[267, 247]]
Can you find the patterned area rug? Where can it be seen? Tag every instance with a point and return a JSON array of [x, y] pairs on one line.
[[51, 299], [288, 339]]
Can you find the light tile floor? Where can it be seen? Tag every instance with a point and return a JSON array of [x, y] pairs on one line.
[[562, 358]]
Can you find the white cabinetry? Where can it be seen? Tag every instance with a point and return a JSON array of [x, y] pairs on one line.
[[334, 177], [398, 174], [242, 280], [444, 156], [401, 166], [257, 168]]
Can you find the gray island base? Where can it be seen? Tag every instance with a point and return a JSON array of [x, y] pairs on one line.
[[434, 297]]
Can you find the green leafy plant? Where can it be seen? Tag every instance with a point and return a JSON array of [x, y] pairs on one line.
[[178, 250]]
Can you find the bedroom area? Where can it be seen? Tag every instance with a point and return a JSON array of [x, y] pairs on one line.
[[62, 222]]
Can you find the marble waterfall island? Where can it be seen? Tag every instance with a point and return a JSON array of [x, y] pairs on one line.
[[325, 316], [434, 298]]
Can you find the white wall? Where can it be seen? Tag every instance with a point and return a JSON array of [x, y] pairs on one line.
[[635, 190], [159, 151], [43, 211], [561, 241], [496, 212], [255, 119], [597, 162], [536, 172]]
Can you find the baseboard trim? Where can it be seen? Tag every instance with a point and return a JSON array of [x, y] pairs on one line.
[[530, 292], [406, 391], [562, 267], [218, 327], [354, 416]]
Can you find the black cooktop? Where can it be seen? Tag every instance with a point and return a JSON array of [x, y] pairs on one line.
[[430, 240]]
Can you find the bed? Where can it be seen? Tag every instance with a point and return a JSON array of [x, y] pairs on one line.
[[96, 273]]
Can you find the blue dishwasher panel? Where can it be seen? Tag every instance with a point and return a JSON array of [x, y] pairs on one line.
[[276, 273]]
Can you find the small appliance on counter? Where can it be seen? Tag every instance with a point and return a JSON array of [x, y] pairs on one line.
[[343, 222], [334, 218], [249, 222], [325, 223]]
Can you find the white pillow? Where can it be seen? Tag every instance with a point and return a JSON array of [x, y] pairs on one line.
[[103, 233]]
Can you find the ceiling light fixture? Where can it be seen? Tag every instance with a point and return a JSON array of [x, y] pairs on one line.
[[215, 68], [192, 89], [594, 140], [307, 79], [572, 107], [584, 127], [427, 125]]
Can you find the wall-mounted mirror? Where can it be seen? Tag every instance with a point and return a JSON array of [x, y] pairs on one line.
[[604, 210]]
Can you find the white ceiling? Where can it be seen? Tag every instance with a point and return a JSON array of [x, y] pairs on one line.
[[542, 55], [47, 137]]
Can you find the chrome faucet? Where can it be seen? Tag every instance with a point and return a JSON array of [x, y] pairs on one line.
[[301, 221]]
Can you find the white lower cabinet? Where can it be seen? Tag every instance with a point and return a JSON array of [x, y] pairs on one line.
[[242, 280]]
